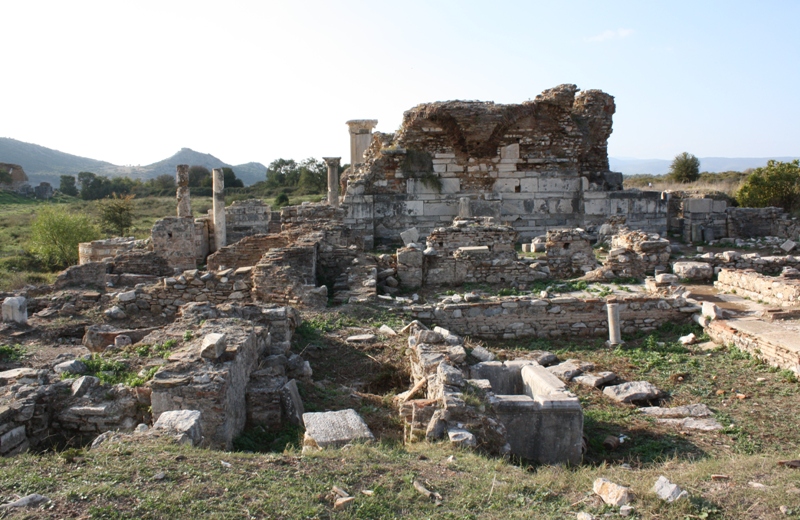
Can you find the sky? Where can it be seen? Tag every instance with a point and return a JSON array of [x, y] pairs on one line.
[[133, 82]]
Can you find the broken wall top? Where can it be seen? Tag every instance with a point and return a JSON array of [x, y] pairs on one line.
[[561, 130]]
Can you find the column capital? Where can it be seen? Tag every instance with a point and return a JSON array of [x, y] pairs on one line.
[[362, 126], [332, 161]]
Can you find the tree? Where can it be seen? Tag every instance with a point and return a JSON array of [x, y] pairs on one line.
[[198, 175], [282, 172], [56, 233], [230, 179], [776, 184], [310, 175], [5, 176], [685, 168], [164, 182], [116, 213], [68, 186]]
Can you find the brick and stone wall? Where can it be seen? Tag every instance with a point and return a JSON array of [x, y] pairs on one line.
[[637, 254], [249, 217], [288, 275], [174, 240], [777, 290], [140, 262], [246, 252], [554, 317], [537, 165], [98, 250], [569, 253], [760, 222]]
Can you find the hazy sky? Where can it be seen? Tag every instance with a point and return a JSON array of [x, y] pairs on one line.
[[133, 82]]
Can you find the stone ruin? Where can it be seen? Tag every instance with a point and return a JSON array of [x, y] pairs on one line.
[[461, 184]]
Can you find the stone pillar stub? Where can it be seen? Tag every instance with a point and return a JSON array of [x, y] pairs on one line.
[[220, 236], [182, 180], [360, 139], [333, 180], [614, 334]]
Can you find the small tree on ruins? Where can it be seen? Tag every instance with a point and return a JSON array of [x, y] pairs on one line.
[[685, 168], [776, 184], [116, 213]]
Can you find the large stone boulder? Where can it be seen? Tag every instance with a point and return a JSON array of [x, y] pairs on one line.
[[183, 422], [334, 429]]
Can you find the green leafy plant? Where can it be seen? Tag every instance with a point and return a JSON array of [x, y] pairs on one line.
[[685, 168], [11, 353], [776, 184], [56, 233], [116, 213]]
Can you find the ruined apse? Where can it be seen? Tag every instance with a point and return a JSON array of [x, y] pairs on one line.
[[538, 165]]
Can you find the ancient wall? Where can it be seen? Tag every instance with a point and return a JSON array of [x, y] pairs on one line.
[[760, 222], [246, 252], [540, 164], [249, 217], [98, 250], [288, 275], [166, 296], [777, 290], [140, 262], [637, 254], [174, 240], [569, 253], [472, 232], [760, 264], [554, 317], [19, 179]]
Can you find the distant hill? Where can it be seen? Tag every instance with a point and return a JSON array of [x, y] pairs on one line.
[[46, 164], [630, 166]]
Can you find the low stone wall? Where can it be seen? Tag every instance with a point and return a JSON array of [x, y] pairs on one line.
[[288, 275], [98, 250], [166, 296], [140, 262], [555, 317], [754, 261], [778, 349], [472, 232], [759, 222], [775, 290], [246, 252], [249, 217], [637, 254], [309, 217]]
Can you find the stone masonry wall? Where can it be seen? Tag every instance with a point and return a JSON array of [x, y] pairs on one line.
[[569, 253], [98, 250], [542, 163], [554, 317], [754, 261], [248, 217], [760, 222], [174, 240], [775, 290], [246, 252]]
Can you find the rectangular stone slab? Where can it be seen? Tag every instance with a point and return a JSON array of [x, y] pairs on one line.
[[333, 429]]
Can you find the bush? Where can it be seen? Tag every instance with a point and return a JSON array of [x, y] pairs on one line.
[[282, 200], [56, 233], [116, 213], [685, 168], [776, 184]]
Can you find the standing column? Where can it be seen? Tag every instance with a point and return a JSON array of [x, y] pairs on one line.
[[333, 180], [220, 236], [360, 139], [614, 335], [182, 180]]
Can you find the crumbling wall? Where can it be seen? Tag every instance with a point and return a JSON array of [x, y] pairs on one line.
[[288, 275], [140, 262], [19, 179], [555, 317], [637, 254], [760, 222], [569, 253], [98, 250], [244, 218], [246, 252], [537, 165], [752, 261], [780, 290], [174, 240]]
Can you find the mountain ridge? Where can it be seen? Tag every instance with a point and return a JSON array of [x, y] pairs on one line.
[[46, 164]]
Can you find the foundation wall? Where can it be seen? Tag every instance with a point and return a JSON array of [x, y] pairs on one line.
[[555, 317], [775, 290]]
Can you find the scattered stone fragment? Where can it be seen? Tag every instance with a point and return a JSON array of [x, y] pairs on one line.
[[693, 270], [73, 366], [633, 391], [706, 424], [15, 310], [626, 510], [611, 493], [342, 502], [34, 500], [292, 403], [83, 384], [362, 338], [387, 331], [757, 485], [461, 437], [410, 236], [788, 245], [437, 426], [411, 327], [668, 491], [122, 341], [160, 476], [542, 357], [213, 346], [689, 410], [186, 422], [334, 429], [595, 379], [115, 313], [689, 339], [482, 354], [426, 492], [569, 369], [584, 516]]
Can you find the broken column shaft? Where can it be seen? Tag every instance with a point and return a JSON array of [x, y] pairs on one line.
[[333, 180], [182, 180], [360, 139], [220, 236], [614, 335]]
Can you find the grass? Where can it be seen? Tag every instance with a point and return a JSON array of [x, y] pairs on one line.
[[119, 482], [11, 353], [112, 372]]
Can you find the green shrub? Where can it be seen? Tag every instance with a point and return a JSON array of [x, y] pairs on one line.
[[56, 233], [685, 168], [776, 184]]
